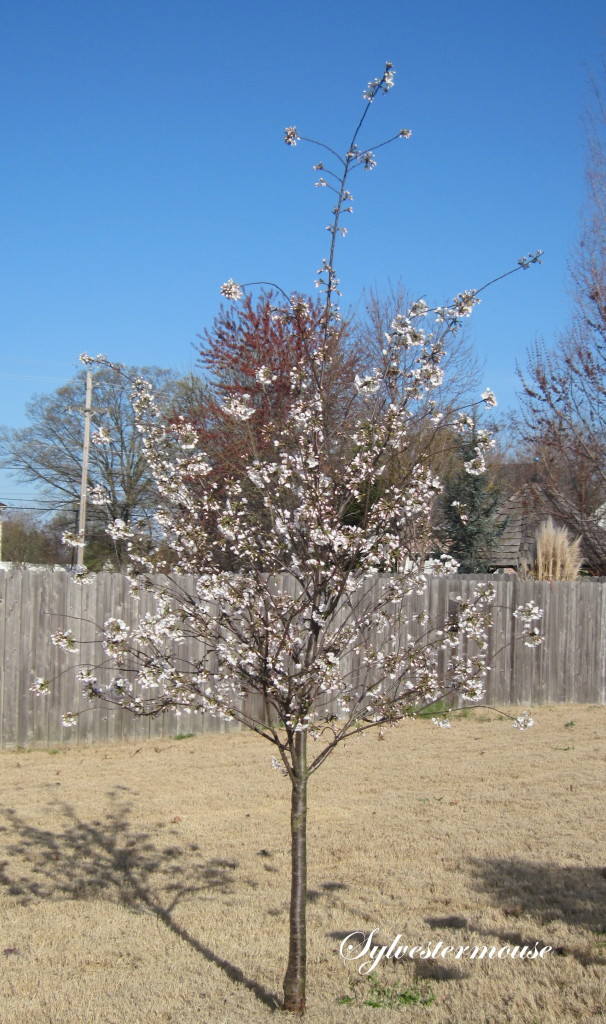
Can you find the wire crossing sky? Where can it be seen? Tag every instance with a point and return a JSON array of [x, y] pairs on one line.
[[144, 165]]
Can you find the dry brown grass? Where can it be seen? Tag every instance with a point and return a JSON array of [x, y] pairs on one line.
[[149, 884]]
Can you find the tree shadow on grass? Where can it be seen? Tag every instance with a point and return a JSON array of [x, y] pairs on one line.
[[546, 892], [107, 859]]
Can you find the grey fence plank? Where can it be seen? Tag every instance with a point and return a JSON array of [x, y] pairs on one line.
[[11, 614], [50, 661], [32, 718], [92, 727], [598, 696], [4, 716], [586, 637], [18, 698]]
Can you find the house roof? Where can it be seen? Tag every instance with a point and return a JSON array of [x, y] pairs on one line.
[[522, 515]]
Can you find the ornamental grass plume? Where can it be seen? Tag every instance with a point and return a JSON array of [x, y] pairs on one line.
[[310, 617], [558, 555]]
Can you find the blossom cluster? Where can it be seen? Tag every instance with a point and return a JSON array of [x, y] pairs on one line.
[[489, 399], [97, 496], [65, 639], [291, 136], [527, 261], [231, 290], [238, 409], [101, 437], [528, 615], [523, 721], [460, 307], [40, 685], [118, 530], [73, 540], [382, 84]]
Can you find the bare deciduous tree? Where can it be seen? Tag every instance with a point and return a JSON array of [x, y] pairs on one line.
[[562, 425], [27, 539], [48, 452]]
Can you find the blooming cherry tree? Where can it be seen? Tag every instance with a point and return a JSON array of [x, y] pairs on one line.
[[309, 617]]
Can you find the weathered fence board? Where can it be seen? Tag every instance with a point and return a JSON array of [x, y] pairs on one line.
[[569, 667], [15, 680]]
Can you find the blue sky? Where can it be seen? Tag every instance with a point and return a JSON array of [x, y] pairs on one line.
[[144, 165]]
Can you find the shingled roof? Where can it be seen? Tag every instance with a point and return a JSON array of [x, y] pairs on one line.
[[522, 515], [524, 512]]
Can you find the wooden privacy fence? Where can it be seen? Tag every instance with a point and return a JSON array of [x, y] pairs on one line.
[[569, 667]]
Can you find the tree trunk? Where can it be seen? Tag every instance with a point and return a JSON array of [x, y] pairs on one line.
[[294, 979]]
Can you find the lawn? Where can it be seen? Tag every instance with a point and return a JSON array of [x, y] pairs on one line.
[[148, 883]]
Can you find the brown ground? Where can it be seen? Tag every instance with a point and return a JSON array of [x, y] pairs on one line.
[[149, 884]]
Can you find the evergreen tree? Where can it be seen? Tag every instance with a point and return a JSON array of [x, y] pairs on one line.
[[470, 503]]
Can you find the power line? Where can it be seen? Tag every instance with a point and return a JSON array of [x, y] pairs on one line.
[[31, 508], [23, 376], [69, 505], [41, 508], [40, 362]]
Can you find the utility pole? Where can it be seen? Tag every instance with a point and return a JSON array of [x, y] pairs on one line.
[[2, 507], [84, 481]]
